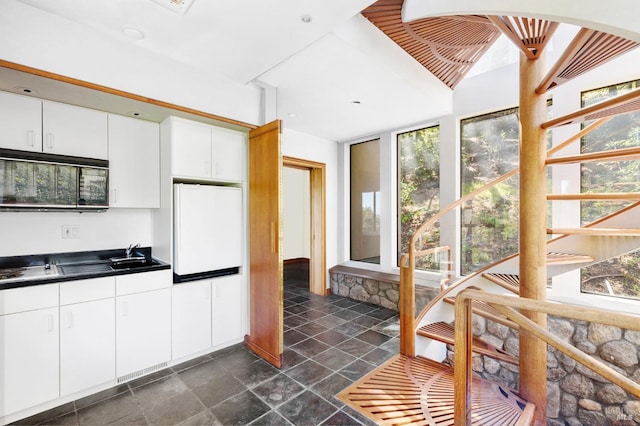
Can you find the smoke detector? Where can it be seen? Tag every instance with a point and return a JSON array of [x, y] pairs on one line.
[[177, 6]]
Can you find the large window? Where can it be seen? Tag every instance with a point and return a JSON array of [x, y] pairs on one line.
[[489, 222], [365, 201], [419, 188], [619, 276]]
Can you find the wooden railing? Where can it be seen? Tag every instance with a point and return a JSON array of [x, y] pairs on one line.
[[408, 260], [509, 306]]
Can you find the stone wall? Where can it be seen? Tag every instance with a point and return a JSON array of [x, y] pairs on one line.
[[384, 293], [575, 395]]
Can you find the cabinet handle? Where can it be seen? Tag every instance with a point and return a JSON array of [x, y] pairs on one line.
[[31, 138], [50, 323], [125, 308], [115, 195], [50, 140], [69, 319]]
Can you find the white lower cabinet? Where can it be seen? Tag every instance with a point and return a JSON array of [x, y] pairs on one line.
[[30, 372], [87, 334], [191, 318], [29, 334], [227, 310], [87, 345], [143, 330]]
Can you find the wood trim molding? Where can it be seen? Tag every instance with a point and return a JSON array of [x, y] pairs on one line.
[[116, 92], [318, 255]]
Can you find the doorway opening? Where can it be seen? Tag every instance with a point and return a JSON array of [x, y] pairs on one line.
[[308, 218]]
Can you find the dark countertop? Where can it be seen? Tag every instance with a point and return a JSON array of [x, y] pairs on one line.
[[79, 266]]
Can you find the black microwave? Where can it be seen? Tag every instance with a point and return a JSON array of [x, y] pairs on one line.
[[44, 182]]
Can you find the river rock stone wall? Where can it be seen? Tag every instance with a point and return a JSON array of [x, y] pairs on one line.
[[575, 395], [382, 293]]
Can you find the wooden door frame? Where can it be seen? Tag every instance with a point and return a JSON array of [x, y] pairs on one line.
[[317, 261]]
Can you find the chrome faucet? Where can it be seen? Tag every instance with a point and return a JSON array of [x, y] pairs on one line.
[[131, 248]]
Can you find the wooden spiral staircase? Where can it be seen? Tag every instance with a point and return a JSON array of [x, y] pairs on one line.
[[417, 387]]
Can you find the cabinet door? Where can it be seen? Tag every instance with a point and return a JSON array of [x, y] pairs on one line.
[[143, 330], [20, 122], [190, 149], [87, 345], [72, 130], [134, 162], [228, 310], [228, 155], [30, 371], [191, 318]]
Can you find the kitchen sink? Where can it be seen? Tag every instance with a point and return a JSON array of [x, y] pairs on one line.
[[84, 268], [131, 263]]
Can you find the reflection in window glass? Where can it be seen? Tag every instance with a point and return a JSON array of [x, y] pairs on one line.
[[489, 222], [365, 199], [620, 276], [371, 212], [419, 189]]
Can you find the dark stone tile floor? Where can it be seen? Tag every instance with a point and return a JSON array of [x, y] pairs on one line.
[[329, 343]]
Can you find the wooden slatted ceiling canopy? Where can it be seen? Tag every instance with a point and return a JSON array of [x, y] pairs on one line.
[[529, 35], [447, 46], [588, 50]]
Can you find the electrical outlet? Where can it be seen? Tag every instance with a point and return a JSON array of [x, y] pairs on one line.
[[70, 231]]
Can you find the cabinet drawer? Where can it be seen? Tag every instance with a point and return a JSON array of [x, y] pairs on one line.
[[87, 290], [144, 281], [28, 298]]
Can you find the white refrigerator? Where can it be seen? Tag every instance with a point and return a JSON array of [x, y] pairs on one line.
[[208, 232]]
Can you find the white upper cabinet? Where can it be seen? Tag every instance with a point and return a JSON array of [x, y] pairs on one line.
[[227, 154], [134, 162], [204, 152], [20, 122], [190, 149], [75, 131]]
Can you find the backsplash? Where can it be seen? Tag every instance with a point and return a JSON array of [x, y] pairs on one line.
[[24, 233]]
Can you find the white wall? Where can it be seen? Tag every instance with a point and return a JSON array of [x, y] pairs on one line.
[[296, 203], [41, 40], [300, 145], [25, 233]]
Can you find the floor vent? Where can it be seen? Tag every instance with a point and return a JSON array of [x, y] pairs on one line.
[[142, 372]]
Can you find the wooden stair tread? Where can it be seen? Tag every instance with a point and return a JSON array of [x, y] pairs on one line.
[[419, 391], [485, 310], [611, 196], [509, 282], [568, 259], [595, 231], [443, 332]]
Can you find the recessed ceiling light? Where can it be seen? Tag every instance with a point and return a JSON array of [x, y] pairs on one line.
[[178, 6], [292, 114], [306, 18], [133, 33], [25, 90]]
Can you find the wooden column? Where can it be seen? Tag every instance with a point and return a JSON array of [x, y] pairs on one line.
[[533, 211]]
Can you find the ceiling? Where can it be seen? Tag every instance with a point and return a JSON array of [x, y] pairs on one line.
[[325, 70], [328, 70]]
